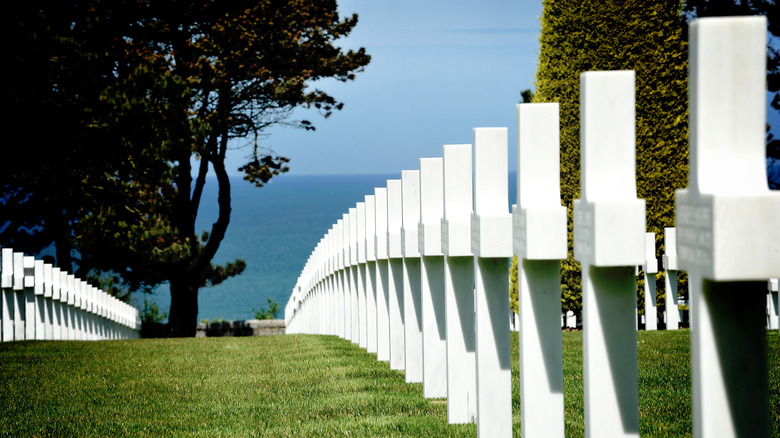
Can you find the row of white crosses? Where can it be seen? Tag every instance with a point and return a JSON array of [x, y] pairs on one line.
[[437, 265], [396, 276], [42, 302]]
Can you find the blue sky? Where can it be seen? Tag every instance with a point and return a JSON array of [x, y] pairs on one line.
[[439, 69]]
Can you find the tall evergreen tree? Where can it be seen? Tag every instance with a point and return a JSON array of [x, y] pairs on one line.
[[645, 36]]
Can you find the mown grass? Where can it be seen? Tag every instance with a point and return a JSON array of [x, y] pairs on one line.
[[289, 386]]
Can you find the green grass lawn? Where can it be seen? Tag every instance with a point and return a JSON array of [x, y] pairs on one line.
[[289, 386]]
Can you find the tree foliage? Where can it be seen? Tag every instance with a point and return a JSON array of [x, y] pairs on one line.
[[140, 101], [269, 313], [645, 36], [514, 302]]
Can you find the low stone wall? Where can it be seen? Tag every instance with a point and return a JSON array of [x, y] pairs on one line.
[[250, 327]]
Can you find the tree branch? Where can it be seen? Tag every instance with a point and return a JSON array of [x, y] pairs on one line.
[[200, 181]]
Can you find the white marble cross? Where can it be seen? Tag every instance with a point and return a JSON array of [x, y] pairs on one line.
[[727, 235], [73, 327], [772, 310], [396, 274], [649, 269], [64, 315], [382, 280], [346, 297], [609, 241], [333, 249], [354, 281], [539, 230], [78, 313], [331, 270], [331, 280], [432, 278], [360, 246], [7, 294], [670, 278], [48, 294], [491, 228], [370, 242], [40, 301], [459, 285], [410, 197], [19, 297]]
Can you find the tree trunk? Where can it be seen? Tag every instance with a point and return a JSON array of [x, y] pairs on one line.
[[183, 317]]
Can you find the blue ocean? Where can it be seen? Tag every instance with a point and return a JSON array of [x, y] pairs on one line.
[[274, 229]]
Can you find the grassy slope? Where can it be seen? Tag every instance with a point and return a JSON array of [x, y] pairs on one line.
[[287, 385]]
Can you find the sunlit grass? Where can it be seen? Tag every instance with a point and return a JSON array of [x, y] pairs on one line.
[[289, 386]]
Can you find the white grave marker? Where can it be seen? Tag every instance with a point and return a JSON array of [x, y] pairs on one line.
[[90, 311], [370, 242], [321, 278], [491, 243], [772, 288], [313, 268], [7, 294], [539, 243], [382, 280], [341, 315], [56, 293], [354, 280], [432, 278], [459, 285], [360, 245], [410, 197], [326, 302], [96, 320], [338, 287], [346, 277], [48, 294], [609, 241], [396, 280], [82, 307], [40, 300], [78, 296], [670, 278], [727, 234], [331, 281], [649, 269], [66, 287], [571, 320], [73, 297], [87, 308], [19, 297]]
